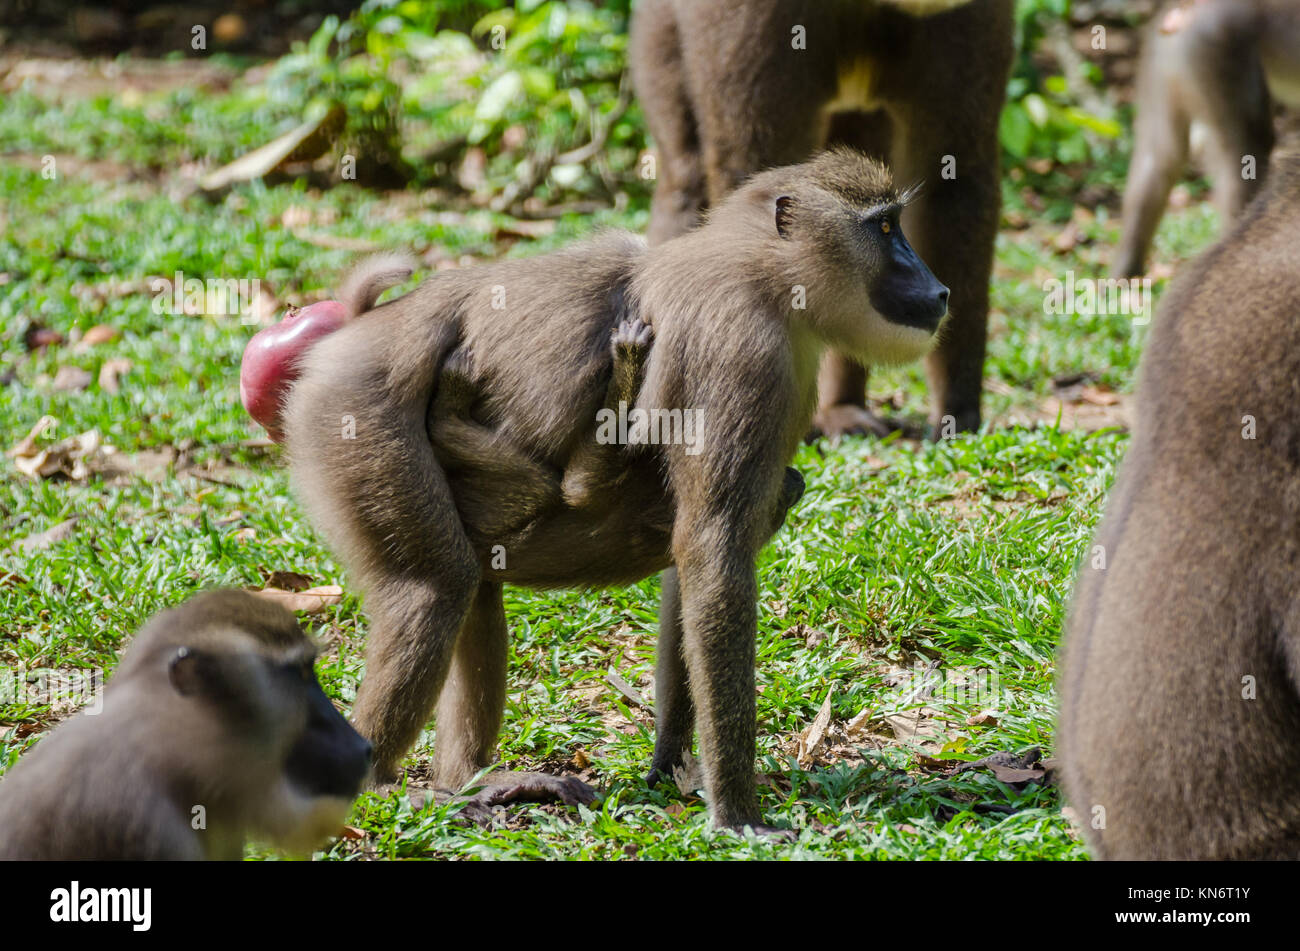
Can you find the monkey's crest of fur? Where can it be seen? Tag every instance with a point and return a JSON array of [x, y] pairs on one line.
[[855, 177]]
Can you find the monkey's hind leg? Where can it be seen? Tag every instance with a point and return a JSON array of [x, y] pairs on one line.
[[469, 718], [674, 710], [387, 508]]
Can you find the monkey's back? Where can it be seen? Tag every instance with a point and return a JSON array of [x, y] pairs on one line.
[[61, 802], [1180, 713]]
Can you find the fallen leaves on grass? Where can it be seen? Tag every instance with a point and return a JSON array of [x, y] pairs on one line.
[[626, 689], [811, 740], [310, 601], [51, 536], [688, 777], [69, 457], [71, 378], [1016, 769], [111, 372]]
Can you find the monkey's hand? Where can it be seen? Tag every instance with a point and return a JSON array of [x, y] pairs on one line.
[[630, 344]]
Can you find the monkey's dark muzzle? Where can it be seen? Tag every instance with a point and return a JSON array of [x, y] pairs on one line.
[[908, 293]]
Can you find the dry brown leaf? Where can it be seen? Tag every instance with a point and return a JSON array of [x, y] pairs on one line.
[[580, 759], [51, 536], [110, 373], [810, 741], [100, 333], [27, 445], [858, 725], [626, 689], [985, 718], [71, 378], [352, 832], [688, 777], [37, 336], [311, 601], [70, 457]]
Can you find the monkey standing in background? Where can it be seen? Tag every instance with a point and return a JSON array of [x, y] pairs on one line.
[[213, 729], [1180, 673], [730, 87], [799, 259], [1215, 65]]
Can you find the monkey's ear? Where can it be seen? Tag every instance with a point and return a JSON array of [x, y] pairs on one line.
[[186, 671], [784, 215]]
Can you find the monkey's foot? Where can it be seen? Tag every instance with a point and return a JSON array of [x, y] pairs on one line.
[[504, 787], [846, 419]]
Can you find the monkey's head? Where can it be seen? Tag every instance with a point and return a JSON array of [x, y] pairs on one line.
[[836, 222], [257, 737]]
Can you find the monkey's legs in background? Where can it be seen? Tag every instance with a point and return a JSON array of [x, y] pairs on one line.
[[680, 190], [674, 709], [1209, 74], [946, 122], [1239, 113], [1160, 148]]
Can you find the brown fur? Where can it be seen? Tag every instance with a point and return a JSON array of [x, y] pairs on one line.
[[1202, 544], [1214, 69], [725, 95], [197, 714], [727, 342]]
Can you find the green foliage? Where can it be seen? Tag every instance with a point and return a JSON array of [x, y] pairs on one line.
[[524, 82], [1039, 119]]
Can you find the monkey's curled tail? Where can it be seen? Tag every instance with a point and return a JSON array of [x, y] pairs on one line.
[[376, 274]]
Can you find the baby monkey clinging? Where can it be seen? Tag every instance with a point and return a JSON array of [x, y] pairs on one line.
[[410, 485]]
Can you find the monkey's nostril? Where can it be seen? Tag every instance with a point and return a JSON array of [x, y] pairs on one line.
[[943, 297]]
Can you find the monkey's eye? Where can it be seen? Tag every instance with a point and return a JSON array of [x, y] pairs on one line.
[[886, 226]]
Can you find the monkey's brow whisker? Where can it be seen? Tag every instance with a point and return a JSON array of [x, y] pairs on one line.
[[911, 193]]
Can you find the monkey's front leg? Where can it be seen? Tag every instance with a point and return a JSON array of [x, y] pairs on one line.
[[674, 709], [719, 592]]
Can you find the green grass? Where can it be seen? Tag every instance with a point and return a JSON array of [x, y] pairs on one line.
[[960, 553]]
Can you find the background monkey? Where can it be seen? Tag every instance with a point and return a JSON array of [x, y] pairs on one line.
[[1216, 65], [214, 705], [1180, 680], [730, 87], [798, 259]]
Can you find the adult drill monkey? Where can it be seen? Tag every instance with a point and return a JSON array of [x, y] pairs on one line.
[[798, 259], [730, 87], [1218, 65], [213, 713], [1180, 676]]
